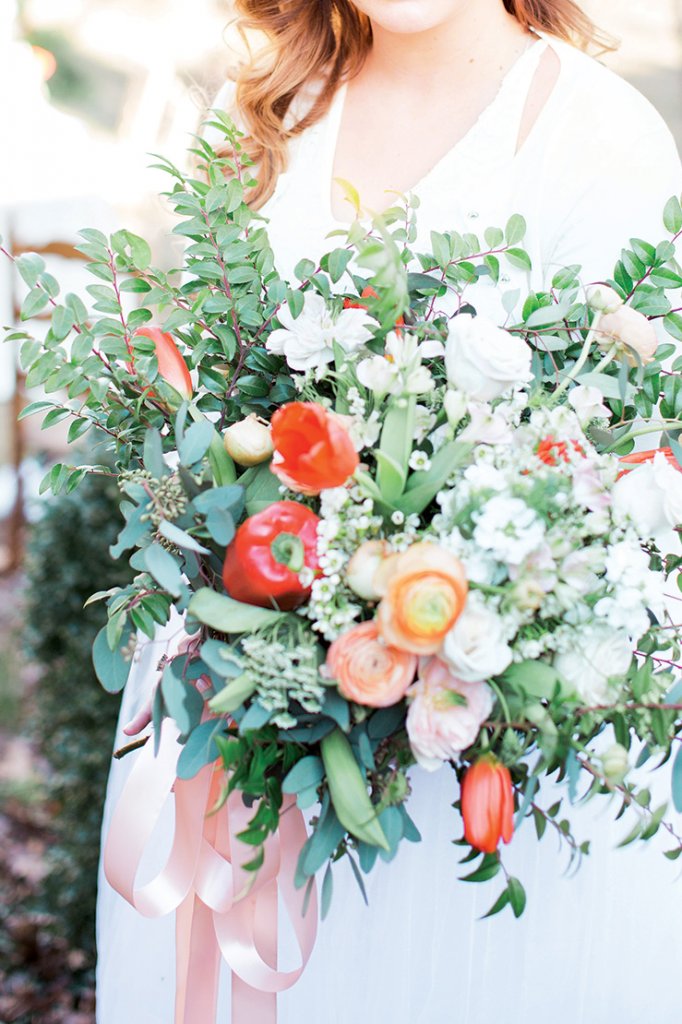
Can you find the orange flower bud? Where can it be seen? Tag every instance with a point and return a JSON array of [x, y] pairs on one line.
[[172, 367], [487, 803]]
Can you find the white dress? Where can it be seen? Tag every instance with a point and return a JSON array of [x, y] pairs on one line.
[[603, 946]]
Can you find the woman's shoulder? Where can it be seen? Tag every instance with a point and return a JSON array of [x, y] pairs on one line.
[[606, 106]]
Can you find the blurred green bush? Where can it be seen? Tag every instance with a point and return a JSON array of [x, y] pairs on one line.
[[68, 559]]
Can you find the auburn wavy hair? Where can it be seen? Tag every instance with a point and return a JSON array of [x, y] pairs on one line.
[[324, 42]]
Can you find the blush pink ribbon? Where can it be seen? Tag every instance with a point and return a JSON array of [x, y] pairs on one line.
[[221, 909]]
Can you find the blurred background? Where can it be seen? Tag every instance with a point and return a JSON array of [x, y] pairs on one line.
[[88, 88]]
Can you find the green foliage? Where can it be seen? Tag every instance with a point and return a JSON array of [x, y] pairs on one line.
[[75, 718]]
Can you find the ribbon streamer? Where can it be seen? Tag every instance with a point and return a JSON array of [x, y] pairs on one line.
[[221, 909]]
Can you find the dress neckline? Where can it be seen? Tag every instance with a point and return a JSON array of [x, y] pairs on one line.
[[509, 102]]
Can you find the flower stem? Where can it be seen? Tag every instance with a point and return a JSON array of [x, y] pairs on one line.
[[582, 358]]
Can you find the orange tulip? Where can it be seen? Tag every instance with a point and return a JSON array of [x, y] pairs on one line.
[[367, 670], [487, 804], [172, 367], [638, 458], [424, 591], [313, 449]]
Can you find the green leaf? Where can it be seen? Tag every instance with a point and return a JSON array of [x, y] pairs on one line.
[[111, 668], [348, 791], [77, 429], [153, 454], [517, 896], [30, 266], [672, 215], [327, 892], [515, 229], [533, 679], [199, 750], [519, 258], [164, 568], [262, 488], [306, 774], [183, 701], [423, 487], [196, 442], [226, 615], [221, 659], [499, 904], [34, 303], [181, 539], [337, 261], [233, 695], [677, 780], [488, 868]]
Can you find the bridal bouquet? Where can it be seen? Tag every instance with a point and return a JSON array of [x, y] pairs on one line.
[[398, 531]]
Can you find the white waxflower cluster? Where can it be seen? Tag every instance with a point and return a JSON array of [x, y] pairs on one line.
[[283, 674], [347, 520]]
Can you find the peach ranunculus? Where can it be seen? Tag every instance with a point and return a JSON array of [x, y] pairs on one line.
[[631, 330], [424, 590], [313, 449], [367, 670], [445, 714]]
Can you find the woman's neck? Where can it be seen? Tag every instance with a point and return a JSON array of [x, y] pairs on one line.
[[442, 56]]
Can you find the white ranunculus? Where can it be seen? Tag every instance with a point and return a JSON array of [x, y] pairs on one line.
[[483, 360], [651, 497], [588, 403], [306, 342], [599, 655], [476, 647]]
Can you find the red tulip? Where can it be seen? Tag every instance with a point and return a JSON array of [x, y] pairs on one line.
[[487, 804], [172, 367], [313, 449]]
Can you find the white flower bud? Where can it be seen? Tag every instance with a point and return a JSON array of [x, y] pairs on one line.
[[248, 442], [455, 405], [603, 299], [615, 763], [362, 568]]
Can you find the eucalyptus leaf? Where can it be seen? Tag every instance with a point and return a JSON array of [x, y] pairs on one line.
[[111, 668], [226, 615]]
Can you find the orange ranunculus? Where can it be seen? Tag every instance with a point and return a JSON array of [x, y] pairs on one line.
[[172, 367], [550, 451], [487, 804], [638, 458], [424, 591], [369, 293], [367, 670], [313, 449]]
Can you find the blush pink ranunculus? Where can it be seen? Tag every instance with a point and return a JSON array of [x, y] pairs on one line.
[[445, 714]]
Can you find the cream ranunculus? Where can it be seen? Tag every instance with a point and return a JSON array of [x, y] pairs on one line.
[[600, 654], [631, 331], [476, 647], [445, 714], [483, 360], [651, 496]]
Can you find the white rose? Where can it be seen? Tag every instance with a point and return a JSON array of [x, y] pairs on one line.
[[651, 497], [455, 405], [588, 403], [476, 648], [603, 299], [598, 655], [484, 360]]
